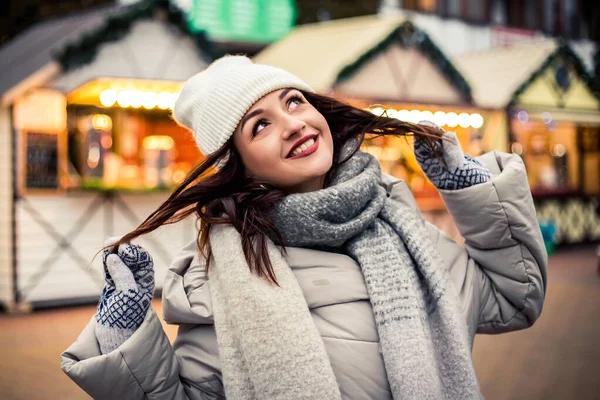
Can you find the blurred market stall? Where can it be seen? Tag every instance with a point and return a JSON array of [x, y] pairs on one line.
[[551, 110], [86, 109]]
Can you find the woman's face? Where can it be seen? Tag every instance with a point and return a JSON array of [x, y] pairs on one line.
[[286, 142]]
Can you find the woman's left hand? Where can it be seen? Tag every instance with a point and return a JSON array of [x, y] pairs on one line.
[[460, 170]]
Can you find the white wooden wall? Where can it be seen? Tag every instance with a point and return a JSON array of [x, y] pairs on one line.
[[48, 273], [6, 194]]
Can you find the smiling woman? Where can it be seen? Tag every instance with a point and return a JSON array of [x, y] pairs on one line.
[[285, 141], [314, 275]]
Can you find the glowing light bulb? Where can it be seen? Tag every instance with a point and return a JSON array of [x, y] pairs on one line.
[[163, 100], [463, 120], [476, 120], [404, 115], [451, 119], [108, 97], [101, 122], [150, 100], [415, 116], [392, 113], [137, 98], [426, 116], [439, 118], [124, 98]]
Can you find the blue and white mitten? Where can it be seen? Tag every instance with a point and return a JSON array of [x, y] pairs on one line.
[[126, 297], [461, 170]]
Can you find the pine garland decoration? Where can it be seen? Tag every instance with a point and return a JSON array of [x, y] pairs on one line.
[[83, 51], [565, 52]]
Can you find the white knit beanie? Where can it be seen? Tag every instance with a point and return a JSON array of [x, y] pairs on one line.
[[213, 102]]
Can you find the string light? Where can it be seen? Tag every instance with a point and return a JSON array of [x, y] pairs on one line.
[[138, 98], [440, 118]]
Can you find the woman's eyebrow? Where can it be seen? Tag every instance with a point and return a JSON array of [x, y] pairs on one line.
[[286, 91], [252, 114]]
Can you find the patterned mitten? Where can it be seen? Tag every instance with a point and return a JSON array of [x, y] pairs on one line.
[[461, 170], [126, 296]]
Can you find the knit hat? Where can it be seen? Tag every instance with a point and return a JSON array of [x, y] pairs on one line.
[[213, 102]]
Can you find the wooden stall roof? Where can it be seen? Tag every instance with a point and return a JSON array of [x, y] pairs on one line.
[[69, 46], [35, 48], [325, 54], [149, 51], [500, 76]]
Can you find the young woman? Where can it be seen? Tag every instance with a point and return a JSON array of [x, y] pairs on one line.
[[314, 276]]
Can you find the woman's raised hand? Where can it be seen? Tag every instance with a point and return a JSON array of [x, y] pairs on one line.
[[126, 297], [460, 170]]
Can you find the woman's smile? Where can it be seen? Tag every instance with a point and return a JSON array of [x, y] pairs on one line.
[[304, 147]]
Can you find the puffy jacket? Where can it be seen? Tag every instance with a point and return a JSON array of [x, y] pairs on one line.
[[500, 276]]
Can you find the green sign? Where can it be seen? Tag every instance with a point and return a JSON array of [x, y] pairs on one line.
[[261, 21]]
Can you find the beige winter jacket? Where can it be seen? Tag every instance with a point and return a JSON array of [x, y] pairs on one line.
[[500, 276]]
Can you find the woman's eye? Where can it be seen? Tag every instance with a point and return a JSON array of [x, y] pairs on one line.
[[293, 103], [260, 125]]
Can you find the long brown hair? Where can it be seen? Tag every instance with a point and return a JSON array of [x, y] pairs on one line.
[[228, 196]]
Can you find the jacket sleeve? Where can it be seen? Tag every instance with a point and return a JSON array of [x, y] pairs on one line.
[[501, 272], [146, 366]]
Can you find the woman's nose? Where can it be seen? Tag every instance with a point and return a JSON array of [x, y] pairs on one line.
[[292, 126]]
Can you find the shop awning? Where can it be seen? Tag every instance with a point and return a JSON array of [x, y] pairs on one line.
[[372, 57], [526, 75]]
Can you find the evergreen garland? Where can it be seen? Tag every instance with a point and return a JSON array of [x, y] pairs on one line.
[[83, 51], [565, 52], [408, 35]]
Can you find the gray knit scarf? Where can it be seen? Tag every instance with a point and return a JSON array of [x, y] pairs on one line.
[[268, 343]]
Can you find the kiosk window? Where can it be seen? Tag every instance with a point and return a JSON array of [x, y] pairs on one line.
[[41, 161]]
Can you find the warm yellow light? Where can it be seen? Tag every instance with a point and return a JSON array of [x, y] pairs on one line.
[[451, 119], [404, 115], [439, 118], [150, 100], [124, 98], [377, 111], [415, 116], [476, 120], [178, 176], [426, 116], [464, 120], [392, 113], [108, 98], [163, 100], [137, 98], [158, 142], [101, 122]]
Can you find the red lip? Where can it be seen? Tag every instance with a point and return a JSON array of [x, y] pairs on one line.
[[298, 143], [308, 151]]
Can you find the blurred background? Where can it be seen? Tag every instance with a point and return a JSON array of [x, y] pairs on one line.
[[88, 148]]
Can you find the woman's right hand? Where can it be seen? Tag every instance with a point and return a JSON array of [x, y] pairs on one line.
[[126, 297]]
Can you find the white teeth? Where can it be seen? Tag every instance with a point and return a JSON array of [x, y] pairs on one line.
[[303, 147]]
